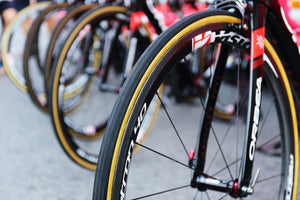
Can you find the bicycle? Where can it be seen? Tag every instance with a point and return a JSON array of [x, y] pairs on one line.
[[97, 77], [97, 70], [216, 160]]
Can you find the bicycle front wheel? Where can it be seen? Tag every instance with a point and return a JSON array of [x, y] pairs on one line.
[[163, 166]]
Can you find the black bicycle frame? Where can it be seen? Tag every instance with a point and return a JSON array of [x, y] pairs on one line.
[[254, 16]]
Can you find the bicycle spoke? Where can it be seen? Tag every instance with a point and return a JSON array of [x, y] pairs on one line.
[[218, 150], [196, 195], [238, 110], [162, 192], [173, 125], [162, 155], [206, 114], [223, 155], [207, 195], [224, 168], [265, 118], [226, 134], [269, 178], [223, 196], [269, 141]]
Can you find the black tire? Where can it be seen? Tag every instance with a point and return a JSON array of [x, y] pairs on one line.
[[161, 168], [33, 62], [87, 117], [57, 36]]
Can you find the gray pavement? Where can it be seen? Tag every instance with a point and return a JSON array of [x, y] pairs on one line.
[[33, 166]]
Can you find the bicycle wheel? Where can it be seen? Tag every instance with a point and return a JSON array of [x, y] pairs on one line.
[[163, 166], [39, 96], [83, 113], [37, 41], [13, 43], [34, 54]]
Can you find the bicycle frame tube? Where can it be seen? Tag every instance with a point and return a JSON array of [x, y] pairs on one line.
[[242, 186], [256, 72], [210, 104]]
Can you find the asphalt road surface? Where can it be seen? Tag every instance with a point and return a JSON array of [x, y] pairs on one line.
[[33, 166]]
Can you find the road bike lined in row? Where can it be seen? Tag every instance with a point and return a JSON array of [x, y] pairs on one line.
[[102, 48], [20, 42], [36, 68], [34, 56], [41, 40], [96, 57], [189, 153], [25, 49]]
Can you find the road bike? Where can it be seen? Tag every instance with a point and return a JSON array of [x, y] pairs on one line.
[[91, 66], [190, 154], [95, 57], [37, 67]]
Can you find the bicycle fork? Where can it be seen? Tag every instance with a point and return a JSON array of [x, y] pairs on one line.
[[242, 185]]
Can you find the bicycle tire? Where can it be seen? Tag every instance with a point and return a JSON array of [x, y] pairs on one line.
[[33, 69], [74, 12], [14, 72], [116, 165], [66, 134]]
